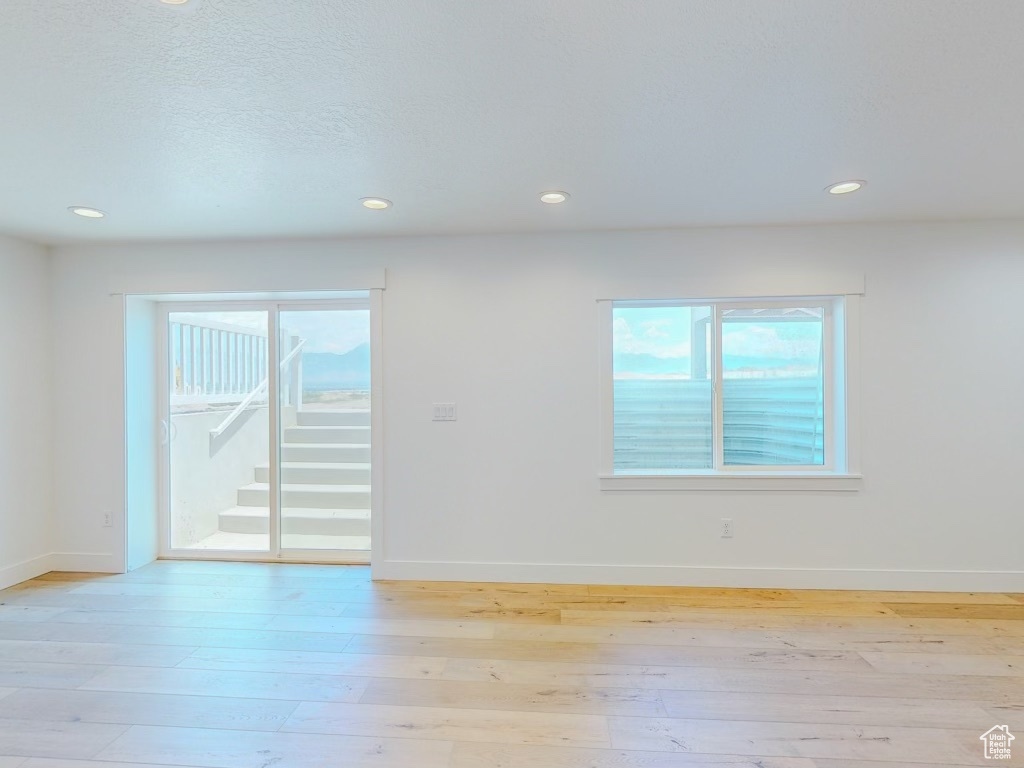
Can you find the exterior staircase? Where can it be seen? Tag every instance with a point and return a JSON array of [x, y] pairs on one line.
[[325, 481]]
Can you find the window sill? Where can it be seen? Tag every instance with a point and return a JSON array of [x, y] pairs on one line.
[[733, 482]]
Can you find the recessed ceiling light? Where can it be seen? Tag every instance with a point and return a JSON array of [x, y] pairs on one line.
[[375, 203], [89, 213], [174, 2], [844, 187], [554, 197]]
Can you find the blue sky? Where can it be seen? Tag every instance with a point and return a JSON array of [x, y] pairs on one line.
[[658, 331], [664, 332], [335, 332]]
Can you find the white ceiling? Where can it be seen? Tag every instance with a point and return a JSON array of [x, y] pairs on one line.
[[271, 118]]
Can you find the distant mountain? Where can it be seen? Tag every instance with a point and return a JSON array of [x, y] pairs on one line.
[[739, 363], [326, 370], [628, 362]]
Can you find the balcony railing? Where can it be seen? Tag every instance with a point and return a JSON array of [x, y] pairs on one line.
[[218, 365], [215, 362]]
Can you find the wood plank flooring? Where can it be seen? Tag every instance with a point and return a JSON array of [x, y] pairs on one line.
[[245, 665]]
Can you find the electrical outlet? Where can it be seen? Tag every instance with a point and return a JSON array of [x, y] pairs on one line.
[[726, 527], [444, 412], [108, 520]]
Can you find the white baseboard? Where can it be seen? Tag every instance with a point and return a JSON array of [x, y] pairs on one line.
[[58, 561], [23, 571], [697, 576], [561, 573], [86, 562]]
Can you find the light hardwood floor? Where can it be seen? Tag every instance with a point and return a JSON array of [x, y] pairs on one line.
[[244, 665]]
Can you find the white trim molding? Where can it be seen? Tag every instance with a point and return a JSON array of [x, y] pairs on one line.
[[86, 562], [703, 576], [734, 285], [377, 529], [25, 570], [58, 561], [730, 481], [344, 280]]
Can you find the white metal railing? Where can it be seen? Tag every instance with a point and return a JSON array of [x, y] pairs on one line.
[[214, 361], [219, 365], [261, 389]]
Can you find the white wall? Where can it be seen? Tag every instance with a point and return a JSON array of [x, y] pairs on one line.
[[142, 433], [204, 483], [25, 404], [505, 326]]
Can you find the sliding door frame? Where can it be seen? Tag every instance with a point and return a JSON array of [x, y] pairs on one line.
[[275, 552]]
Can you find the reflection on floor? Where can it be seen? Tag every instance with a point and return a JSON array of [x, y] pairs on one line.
[[250, 665]]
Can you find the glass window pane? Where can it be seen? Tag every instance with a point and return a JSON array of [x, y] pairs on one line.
[[662, 389], [218, 431], [325, 427], [773, 386]]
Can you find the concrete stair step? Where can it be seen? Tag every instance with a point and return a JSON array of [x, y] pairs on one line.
[[351, 435], [318, 473], [339, 418], [305, 521], [307, 496], [325, 452]]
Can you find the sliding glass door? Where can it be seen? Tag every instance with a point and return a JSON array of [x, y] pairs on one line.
[[266, 430]]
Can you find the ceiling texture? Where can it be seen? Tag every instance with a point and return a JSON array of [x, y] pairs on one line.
[[271, 118]]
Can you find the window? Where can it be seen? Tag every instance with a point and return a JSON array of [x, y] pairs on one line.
[[727, 389]]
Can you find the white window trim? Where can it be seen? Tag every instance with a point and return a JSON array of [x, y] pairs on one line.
[[842, 471], [774, 481]]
